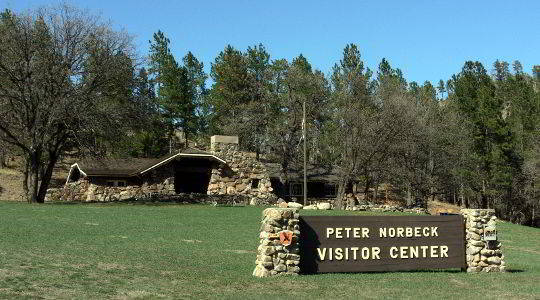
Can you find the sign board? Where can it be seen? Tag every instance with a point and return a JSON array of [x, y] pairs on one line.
[[380, 243]]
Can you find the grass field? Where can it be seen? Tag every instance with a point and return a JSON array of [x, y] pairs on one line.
[[196, 251]]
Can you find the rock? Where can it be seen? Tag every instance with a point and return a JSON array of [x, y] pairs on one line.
[[477, 244], [473, 250], [474, 269], [279, 200], [283, 205], [312, 207], [240, 187], [292, 262], [487, 252], [254, 201], [293, 256], [261, 271], [294, 205], [324, 205], [293, 269], [280, 268], [474, 236], [494, 260]]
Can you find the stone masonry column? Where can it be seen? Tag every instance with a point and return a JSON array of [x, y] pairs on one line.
[[278, 252], [483, 254]]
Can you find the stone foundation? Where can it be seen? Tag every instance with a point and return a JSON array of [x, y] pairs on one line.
[[482, 255], [85, 191], [274, 257]]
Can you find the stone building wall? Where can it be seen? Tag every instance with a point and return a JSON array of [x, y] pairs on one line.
[[275, 257], [243, 177], [243, 174], [482, 255], [159, 181]]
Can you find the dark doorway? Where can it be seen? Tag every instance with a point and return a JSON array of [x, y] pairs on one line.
[[192, 175]]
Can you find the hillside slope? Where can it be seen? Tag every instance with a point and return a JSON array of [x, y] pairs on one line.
[[11, 179]]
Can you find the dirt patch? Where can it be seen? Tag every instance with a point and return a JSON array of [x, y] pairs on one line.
[[11, 185], [110, 266], [191, 241], [436, 208], [241, 251], [11, 178]]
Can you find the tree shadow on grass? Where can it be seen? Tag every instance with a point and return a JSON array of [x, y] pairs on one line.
[[514, 271], [441, 271]]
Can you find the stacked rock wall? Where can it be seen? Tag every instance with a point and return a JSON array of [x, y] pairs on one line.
[[275, 256], [243, 174], [83, 190], [159, 181], [482, 255]]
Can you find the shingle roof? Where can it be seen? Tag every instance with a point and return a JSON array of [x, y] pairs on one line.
[[127, 167], [314, 173]]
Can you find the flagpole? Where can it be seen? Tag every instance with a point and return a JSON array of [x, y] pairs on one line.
[[305, 159]]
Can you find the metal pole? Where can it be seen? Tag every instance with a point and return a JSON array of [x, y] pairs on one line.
[[305, 159]]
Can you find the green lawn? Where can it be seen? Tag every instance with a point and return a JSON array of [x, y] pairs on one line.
[[196, 251]]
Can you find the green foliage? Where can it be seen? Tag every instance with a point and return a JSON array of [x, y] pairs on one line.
[[504, 114], [180, 88]]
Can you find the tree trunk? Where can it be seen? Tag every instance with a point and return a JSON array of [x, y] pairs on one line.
[[366, 188], [3, 158], [461, 195], [46, 179], [409, 196], [340, 197], [32, 176], [376, 192]]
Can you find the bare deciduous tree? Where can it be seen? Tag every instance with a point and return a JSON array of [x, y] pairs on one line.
[[59, 71]]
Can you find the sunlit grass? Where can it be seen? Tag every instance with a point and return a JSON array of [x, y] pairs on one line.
[[197, 251]]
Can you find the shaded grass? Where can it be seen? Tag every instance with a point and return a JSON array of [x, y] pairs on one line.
[[197, 251]]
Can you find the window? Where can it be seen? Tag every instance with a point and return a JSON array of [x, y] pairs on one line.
[[255, 183], [296, 189], [330, 190], [110, 183]]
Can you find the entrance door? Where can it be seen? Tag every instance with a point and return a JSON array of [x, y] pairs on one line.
[[192, 176]]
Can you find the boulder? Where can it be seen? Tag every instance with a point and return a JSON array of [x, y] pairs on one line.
[[294, 205], [282, 204], [324, 206]]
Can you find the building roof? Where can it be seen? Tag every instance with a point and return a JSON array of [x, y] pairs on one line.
[[128, 167], [314, 173]]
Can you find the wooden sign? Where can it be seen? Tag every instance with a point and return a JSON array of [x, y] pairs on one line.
[[285, 238], [381, 243]]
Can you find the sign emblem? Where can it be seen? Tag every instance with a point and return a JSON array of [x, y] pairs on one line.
[[285, 238]]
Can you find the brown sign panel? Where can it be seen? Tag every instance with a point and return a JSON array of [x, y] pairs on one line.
[[380, 243]]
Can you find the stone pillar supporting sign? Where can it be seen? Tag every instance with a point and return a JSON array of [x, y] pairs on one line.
[[482, 247], [278, 252]]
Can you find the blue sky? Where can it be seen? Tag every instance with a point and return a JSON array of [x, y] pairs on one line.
[[427, 40]]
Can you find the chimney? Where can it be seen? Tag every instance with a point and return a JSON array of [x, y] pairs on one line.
[[223, 143]]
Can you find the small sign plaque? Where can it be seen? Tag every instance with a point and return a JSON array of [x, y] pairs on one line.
[[490, 234]]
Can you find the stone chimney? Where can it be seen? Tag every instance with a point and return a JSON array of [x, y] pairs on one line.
[[224, 145]]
